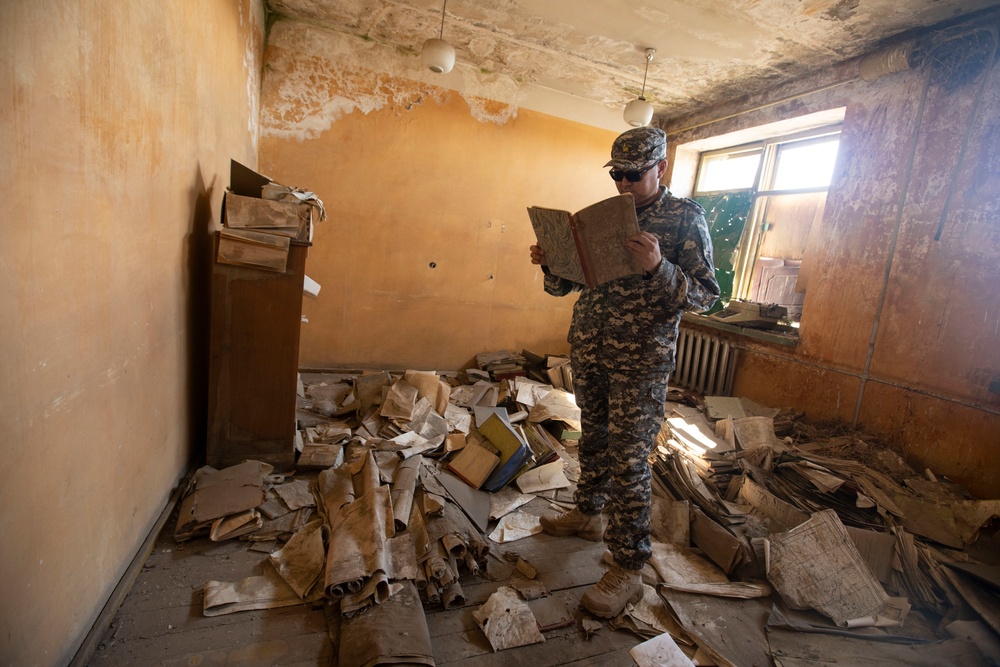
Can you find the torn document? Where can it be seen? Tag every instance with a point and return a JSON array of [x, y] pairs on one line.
[[661, 651], [543, 478], [816, 566], [507, 621], [516, 526]]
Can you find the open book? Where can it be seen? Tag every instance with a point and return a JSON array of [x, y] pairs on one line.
[[588, 247]]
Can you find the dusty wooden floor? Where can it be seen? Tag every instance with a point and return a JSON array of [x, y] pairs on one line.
[[161, 620]]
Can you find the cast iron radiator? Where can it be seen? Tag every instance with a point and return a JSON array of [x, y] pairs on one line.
[[705, 363]]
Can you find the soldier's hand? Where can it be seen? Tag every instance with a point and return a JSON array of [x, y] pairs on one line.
[[538, 256], [646, 249]]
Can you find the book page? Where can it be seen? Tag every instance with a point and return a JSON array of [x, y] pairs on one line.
[[601, 231], [552, 229]]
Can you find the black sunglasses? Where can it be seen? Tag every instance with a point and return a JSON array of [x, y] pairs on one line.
[[630, 176]]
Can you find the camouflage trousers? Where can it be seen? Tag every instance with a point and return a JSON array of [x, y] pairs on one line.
[[622, 412]]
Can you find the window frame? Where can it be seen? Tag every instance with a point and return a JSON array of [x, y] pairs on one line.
[[753, 230]]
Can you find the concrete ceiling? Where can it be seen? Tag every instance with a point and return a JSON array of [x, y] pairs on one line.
[[590, 52]]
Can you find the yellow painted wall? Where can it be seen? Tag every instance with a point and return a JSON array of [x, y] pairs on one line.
[[118, 121], [900, 329], [414, 175]]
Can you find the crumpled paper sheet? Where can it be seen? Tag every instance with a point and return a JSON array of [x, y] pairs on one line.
[[506, 500], [590, 626], [301, 562], [297, 494], [507, 621], [375, 591], [399, 401], [660, 651], [361, 545], [336, 489], [430, 387], [428, 422], [543, 478], [458, 419], [452, 521], [410, 444], [365, 474], [215, 493], [679, 565], [267, 591], [649, 618], [559, 405], [516, 526], [235, 525], [407, 472], [283, 526]]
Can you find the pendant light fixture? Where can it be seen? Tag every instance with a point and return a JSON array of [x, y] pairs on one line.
[[639, 112], [438, 55]]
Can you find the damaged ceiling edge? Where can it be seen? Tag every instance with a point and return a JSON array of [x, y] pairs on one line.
[[583, 60], [301, 59]]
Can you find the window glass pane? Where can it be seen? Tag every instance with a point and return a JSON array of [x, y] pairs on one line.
[[805, 164], [726, 214], [728, 171]]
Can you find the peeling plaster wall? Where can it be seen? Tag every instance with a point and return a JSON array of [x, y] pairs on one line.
[[118, 125], [424, 260], [900, 330], [332, 74]]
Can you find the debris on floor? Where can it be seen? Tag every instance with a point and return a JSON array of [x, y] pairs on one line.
[[854, 541], [507, 621], [765, 528]]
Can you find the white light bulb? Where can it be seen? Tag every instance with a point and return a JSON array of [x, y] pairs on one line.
[[438, 56], [638, 112]]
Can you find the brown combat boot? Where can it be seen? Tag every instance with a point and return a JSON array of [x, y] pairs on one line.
[[617, 588], [575, 522]]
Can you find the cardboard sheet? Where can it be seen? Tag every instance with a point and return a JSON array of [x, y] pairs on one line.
[[217, 493]]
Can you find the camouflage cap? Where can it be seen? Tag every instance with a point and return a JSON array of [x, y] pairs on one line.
[[636, 149]]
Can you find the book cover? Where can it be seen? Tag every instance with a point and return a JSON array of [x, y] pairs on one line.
[[514, 451], [473, 464], [588, 247], [561, 430], [542, 449]]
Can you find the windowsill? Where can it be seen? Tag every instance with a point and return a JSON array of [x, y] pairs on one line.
[[787, 336]]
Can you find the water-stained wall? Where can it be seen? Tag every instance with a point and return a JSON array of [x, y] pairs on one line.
[[900, 330], [424, 259], [118, 124]]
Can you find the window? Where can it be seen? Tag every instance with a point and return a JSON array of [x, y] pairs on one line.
[[764, 204]]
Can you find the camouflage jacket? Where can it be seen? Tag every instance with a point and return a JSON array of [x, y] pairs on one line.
[[631, 323]]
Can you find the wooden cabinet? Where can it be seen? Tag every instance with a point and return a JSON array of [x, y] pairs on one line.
[[256, 318]]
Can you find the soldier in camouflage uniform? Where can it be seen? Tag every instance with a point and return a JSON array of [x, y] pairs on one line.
[[623, 338]]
